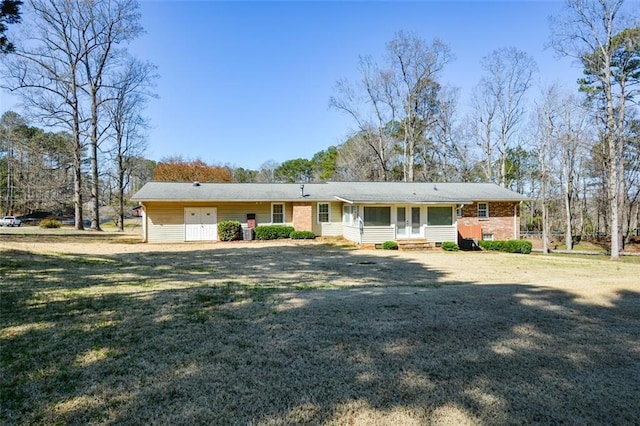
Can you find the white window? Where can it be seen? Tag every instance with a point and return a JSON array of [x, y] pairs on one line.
[[277, 213], [483, 210], [323, 213], [349, 215], [487, 237]]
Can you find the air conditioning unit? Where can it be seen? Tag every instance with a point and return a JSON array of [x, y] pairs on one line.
[[247, 234]]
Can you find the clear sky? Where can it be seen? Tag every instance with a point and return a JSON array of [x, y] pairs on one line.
[[246, 82]]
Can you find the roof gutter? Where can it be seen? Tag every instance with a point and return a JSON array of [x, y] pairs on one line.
[[422, 203], [212, 200], [344, 200]]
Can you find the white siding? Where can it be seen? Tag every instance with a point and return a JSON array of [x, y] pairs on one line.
[[165, 223], [332, 229], [239, 211], [351, 233], [438, 234], [378, 234]]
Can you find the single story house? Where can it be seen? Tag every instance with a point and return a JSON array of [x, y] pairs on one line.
[[362, 212]]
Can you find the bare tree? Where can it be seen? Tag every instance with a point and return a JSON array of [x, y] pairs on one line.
[[60, 67], [587, 31], [544, 136], [373, 123], [131, 92], [106, 24], [356, 162], [45, 70], [498, 105], [395, 105], [266, 172], [448, 157], [415, 66], [572, 141]]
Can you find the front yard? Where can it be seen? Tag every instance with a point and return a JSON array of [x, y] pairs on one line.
[[95, 328]]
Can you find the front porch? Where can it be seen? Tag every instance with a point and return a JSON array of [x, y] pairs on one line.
[[408, 224]]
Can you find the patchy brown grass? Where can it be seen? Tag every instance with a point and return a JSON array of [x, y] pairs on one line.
[[97, 329]]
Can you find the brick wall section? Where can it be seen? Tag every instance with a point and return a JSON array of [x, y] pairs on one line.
[[500, 220], [303, 216]]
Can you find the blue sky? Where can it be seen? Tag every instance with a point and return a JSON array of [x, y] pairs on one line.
[[246, 82]]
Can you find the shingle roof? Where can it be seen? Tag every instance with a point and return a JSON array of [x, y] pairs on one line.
[[355, 192]]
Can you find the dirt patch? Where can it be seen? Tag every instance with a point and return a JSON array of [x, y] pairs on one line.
[[100, 329]]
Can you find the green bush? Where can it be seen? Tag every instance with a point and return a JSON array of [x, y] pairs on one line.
[[449, 246], [50, 223], [491, 245], [302, 235], [273, 232], [509, 246], [390, 245], [525, 247], [229, 230]]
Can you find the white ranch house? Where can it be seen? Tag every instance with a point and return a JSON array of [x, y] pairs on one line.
[[362, 212]]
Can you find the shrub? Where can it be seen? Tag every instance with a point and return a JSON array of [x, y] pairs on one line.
[[302, 235], [525, 247], [273, 232], [509, 246], [490, 245], [390, 245], [449, 246], [50, 223], [229, 230]]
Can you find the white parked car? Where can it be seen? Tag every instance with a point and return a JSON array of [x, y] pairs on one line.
[[10, 221]]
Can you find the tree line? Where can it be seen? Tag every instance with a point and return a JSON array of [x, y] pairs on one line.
[[37, 172]]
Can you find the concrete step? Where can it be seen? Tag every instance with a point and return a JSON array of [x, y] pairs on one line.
[[415, 244]]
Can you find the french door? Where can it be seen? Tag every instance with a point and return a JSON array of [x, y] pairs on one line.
[[408, 222]]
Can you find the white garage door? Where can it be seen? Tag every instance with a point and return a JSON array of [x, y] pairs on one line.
[[201, 223]]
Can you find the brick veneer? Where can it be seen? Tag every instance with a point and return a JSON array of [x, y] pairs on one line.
[[500, 220], [303, 216]]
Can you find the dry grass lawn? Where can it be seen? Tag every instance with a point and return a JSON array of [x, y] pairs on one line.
[[98, 329]]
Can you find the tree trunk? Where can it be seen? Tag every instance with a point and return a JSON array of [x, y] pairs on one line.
[[10, 178], [121, 173], [95, 184], [612, 153], [568, 236], [77, 186]]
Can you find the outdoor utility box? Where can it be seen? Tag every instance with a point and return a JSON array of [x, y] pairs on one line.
[[469, 244], [247, 234], [251, 220]]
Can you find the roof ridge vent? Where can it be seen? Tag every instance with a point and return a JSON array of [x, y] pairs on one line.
[[196, 183]]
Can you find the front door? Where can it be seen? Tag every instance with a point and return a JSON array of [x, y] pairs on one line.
[[408, 222], [200, 223]]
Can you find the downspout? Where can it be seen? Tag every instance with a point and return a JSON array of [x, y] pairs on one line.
[[144, 222], [516, 230], [360, 225]]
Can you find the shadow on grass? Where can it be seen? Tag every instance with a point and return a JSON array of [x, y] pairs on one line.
[[223, 337]]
